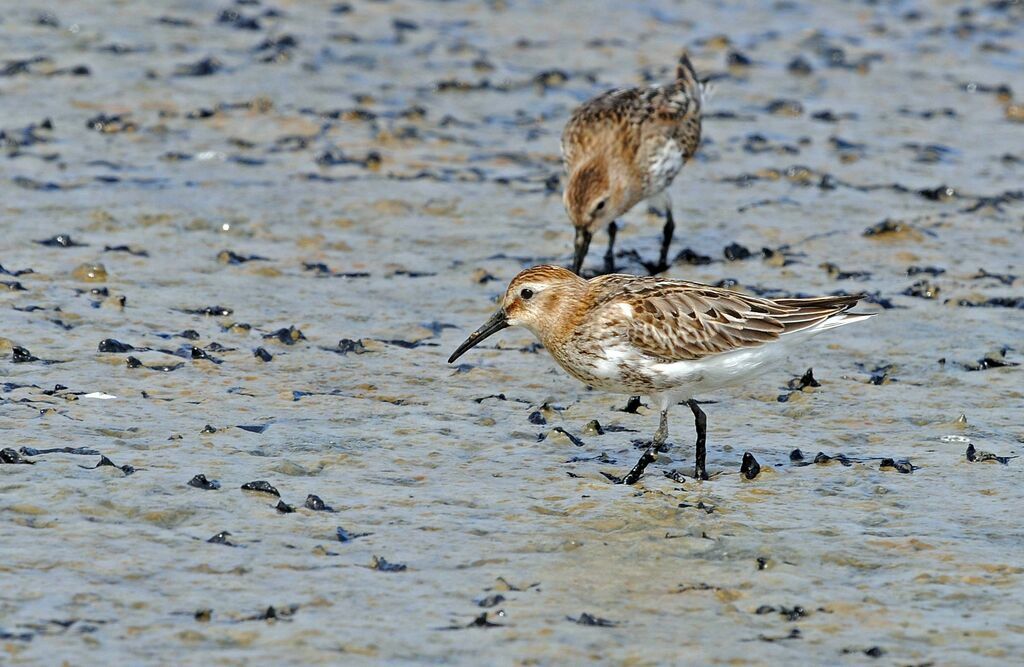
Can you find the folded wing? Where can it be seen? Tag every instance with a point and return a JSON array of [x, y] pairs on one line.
[[675, 321]]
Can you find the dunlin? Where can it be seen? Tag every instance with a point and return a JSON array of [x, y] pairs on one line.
[[625, 146], [666, 339]]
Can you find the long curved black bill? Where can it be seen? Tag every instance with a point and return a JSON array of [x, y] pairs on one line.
[[491, 326], [581, 245]]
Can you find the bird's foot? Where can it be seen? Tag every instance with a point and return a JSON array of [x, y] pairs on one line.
[[633, 476], [654, 268]]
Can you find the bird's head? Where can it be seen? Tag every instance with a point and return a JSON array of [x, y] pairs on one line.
[[535, 299], [593, 198]]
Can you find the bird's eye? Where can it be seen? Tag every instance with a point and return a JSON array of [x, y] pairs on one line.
[[526, 293]]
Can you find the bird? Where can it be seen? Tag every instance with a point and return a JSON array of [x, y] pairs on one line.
[[624, 146], [665, 339]]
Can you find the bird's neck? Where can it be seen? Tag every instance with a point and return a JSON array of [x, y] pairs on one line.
[[566, 308]]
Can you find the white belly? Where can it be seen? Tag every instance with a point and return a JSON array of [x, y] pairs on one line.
[[728, 369], [664, 166]]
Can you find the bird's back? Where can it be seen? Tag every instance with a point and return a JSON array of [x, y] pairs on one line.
[[609, 122], [636, 124]]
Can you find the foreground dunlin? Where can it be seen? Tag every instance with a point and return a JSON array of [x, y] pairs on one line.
[[625, 146], [666, 339]]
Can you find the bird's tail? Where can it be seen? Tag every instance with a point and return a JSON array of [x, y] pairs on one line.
[[816, 314], [687, 83], [842, 319]]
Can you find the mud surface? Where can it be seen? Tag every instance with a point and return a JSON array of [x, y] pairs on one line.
[[240, 240]]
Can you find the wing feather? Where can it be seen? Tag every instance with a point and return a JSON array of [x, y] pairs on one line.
[[678, 320]]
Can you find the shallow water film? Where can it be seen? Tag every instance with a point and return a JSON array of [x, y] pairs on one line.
[[241, 240]]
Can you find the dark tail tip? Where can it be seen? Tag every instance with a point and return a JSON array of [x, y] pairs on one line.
[[684, 69]]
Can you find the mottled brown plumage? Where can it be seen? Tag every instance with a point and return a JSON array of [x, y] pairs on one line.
[[627, 145], [668, 339], [675, 320]]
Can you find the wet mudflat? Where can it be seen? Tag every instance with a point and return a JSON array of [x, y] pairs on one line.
[[241, 239]]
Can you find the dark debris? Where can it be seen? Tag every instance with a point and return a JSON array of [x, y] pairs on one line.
[[977, 456], [105, 462], [345, 536], [595, 621], [261, 486], [11, 456], [201, 482], [384, 566], [750, 467]]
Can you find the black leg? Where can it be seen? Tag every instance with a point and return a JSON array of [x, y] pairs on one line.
[[609, 256], [701, 423], [649, 456], [633, 476], [666, 238]]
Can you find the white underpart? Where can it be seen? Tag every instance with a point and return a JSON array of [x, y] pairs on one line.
[[609, 368], [728, 369], [664, 166]]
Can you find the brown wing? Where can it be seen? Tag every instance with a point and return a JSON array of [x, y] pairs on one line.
[[676, 320]]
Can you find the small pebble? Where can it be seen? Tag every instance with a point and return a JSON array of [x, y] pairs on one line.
[[750, 468], [90, 273]]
